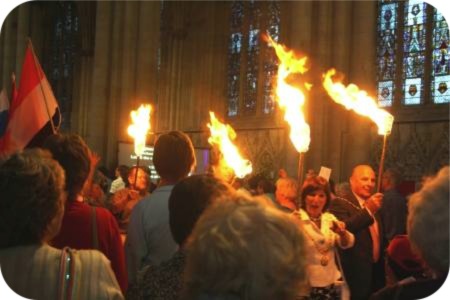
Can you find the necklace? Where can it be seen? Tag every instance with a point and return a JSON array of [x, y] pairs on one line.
[[315, 219], [322, 246], [351, 204]]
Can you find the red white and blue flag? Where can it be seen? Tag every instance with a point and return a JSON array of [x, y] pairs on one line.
[[31, 109]]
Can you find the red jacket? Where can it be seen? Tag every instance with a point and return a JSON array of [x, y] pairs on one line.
[[76, 232]]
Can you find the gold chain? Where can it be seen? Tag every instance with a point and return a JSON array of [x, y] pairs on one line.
[[324, 252]]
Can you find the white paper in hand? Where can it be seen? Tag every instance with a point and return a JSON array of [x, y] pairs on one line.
[[325, 173]]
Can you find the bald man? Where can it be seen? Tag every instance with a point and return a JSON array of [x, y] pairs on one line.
[[362, 264]]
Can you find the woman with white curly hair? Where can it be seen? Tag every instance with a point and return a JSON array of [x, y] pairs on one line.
[[428, 231], [245, 248]]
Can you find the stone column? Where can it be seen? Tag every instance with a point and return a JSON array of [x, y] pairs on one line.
[[121, 72], [23, 33], [336, 123], [362, 72], [317, 105]]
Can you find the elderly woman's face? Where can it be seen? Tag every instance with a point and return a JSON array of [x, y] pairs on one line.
[[315, 202]]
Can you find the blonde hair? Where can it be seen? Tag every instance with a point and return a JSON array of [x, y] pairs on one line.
[[246, 247], [428, 221], [287, 187]]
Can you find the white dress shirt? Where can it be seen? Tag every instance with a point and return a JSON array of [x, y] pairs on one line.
[[374, 230]]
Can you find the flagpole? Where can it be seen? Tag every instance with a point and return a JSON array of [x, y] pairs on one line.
[[13, 87], [30, 44]]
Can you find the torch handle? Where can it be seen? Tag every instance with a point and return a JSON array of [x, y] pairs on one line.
[[136, 173], [380, 169], [301, 162]]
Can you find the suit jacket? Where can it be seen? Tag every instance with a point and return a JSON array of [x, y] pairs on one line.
[[362, 274]]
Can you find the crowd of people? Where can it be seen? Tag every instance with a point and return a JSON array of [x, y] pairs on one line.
[[67, 231]]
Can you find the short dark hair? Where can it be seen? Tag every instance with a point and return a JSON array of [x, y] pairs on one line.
[[393, 175], [312, 184], [31, 189], [188, 200], [123, 173], [173, 155], [266, 185], [72, 153]]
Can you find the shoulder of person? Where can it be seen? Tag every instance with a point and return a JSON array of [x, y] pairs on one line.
[[103, 213], [338, 201], [329, 216], [346, 202], [301, 214], [90, 259], [96, 267], [144, 203]]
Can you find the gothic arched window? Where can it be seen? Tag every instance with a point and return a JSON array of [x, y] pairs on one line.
[[412, 55], [252, 65], [63, 48]]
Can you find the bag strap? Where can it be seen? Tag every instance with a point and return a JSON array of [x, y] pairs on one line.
[[66, 274], [94, 229]]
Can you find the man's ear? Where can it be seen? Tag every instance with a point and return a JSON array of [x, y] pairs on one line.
[[351, 180]]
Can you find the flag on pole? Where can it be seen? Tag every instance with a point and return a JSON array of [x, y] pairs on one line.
[[4, 108], [32, 109], [14, 91]]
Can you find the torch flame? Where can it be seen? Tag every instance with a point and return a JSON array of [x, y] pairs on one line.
[[222, 135], [358, 100], [139, 127], [291, 99]]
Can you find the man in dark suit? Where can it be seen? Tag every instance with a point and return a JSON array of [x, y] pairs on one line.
[[363, 263]]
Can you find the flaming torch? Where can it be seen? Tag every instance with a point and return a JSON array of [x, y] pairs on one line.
[[358, 100], [223, 135], [138, 130], [291, 100]]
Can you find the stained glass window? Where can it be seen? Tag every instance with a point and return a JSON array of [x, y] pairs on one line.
[[251, 67], [441, 60], [271, 60], [253, 50], [234, 57], [406, 30], [63, 52], [414, 46], [387, 45]]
